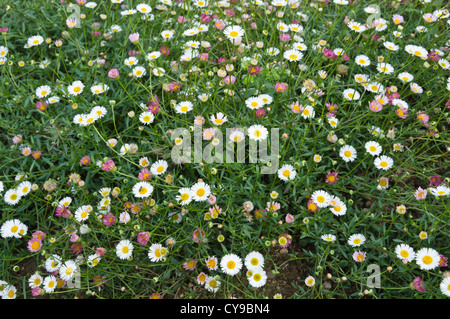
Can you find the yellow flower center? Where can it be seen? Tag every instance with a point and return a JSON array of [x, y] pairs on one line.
[[231, 264]]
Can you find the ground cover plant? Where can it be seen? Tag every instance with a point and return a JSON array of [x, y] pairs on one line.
[[115, 116]]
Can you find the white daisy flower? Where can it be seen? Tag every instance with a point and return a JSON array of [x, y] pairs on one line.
[[53, 263], [254, 260], [445, 286], [212, 284], [348, 153], [287, 172], [265, 98], [258, 277], [373, 148], [49, 284], [351, 95], [124, 249], [159, 167], [157, 252], [142, 190], [144, 8], [35, 281], [158, 71], [329, 238], [183, 107], [383, 162], [82, 214], [35, 40], [293, 55], [338, 208], [139, 71], [356, 240], [100, 111], [185, 196], [254, 102], [131, 61], [200, 191], [75, 88], [257, 132], [440, 190], [219, 118], [405, 252], [233, 32], [146, 117], [12, 228], [385, 68], [308, 112], [43, 91], [67, 270], [362, 60], [321, 198]]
